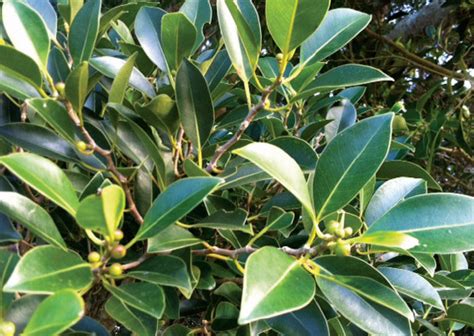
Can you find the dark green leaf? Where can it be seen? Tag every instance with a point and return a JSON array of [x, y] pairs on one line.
[[393, 169], [178, 36], [175, 202], [199, 12], [120, 83], [227, 220], [32, 216], [84, 31], [170, 239], [77, 87], [349, 161]]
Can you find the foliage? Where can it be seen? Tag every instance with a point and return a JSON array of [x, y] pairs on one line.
[[165, 181]]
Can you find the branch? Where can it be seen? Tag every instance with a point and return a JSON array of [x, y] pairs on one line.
[[420, 62], [249, 250], [124, 183], [243, 126]]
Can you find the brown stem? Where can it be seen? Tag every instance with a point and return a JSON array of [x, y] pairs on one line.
[[420, 62], [249, 250], [123, 181], [243, 126]]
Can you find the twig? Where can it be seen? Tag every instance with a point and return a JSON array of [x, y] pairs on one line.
[[124, 183], [249, 250], [243, 126], [422, 63]]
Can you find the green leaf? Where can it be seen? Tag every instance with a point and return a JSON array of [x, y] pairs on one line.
[[462, 313], [174, 203], [132, 319], [120, 83], [146, 297], [32, 216], [338, 28], [46, 10], [388, 239], [279, 219], [299, 150], [160, 112], [282, 167], [8, 261], [309, 321], [364, 313], [163, 270], [349, 161], [148, 32], [49, 269], [240, 29], [170, 239], [55, 114], [433, 219], [398, 168], [20, 66], [194, 102], [390, 194], [342, 116], [16, 87], [341, 77], [269, 289], [111, 66], [227, 220], [102, 213], [84, 31], [218, 69], [55, 314], [368, 316], [27, 31], [291, 22], [178, 35], [199, 12], [77, 87], [45, 177], [69, 9], [413, 285]]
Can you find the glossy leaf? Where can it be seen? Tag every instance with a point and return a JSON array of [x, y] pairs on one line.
[[342, 117], [56, 314], [27, 31], [111, 66], [309, 321], [412, 285], [19, 65], [390, 194], [170, 239], [338, 28], [32, 216], [285, 18], [49, 269], [120, 83], [84, 31], [160, 112], [299, 150], [148, 32], [349, 161], [199, 12], [462, 313], [77, 87], [226, 220], [341, 77], [45, 177], [8, 261], [269, 289], [178, 35], [174, 203], [240, 29], [133, 319], [398, 168], [16, 87], [218, 69], [102, 213], [163, 270], [433, 219], [194, 103], [46, 10], [282, 167], [146, 297]]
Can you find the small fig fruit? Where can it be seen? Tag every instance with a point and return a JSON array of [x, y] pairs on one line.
[[118, 235], [7, 328], [332, 227], [115, 269], [342, 248], [118, 252], [93, 257]]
